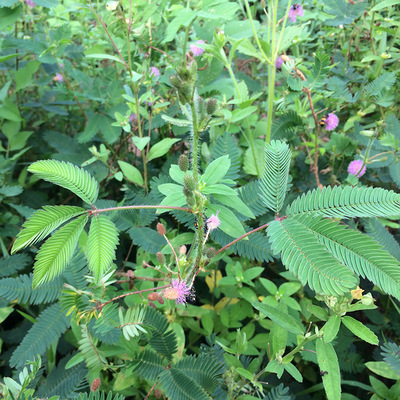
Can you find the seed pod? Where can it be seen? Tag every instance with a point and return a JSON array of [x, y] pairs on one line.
[[190, 201], [161, 299], [175, 81], [183, 163], [211, 106], [161, 229], [160, 257], [189, 182], [210, 252], [151, 304], [187, 192], [183, 73], [185, 92]]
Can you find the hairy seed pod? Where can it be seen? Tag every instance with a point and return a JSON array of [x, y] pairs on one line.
[[175, 81], [151, 304], [190, 201], [183, 73], [211, 106], [161, 299], [183, 162], [210, 252], [160, 257], [187, 192], [161, 229], [185, 92], [189, 182]]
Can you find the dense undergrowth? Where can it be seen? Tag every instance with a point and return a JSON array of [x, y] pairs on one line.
[[199, 200]]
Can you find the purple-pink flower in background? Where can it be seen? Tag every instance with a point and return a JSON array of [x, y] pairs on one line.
[[133, 117], [354, 168], [154, 71], [331, 122], [30, 3], [295, 11], [196, 50], [178, 291], [58, 77], [278, 62], [213, 222]]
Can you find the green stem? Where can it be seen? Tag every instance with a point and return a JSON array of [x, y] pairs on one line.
[[196, 136], [100, 210], [366, 156], [136, 90]]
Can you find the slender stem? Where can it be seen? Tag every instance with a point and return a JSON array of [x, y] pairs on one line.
[[240, 238], [366, 156], [96, 211], [176, 257], [139, 124], [196, 137]]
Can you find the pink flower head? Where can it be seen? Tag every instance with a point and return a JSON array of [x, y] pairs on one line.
[[154, 71], [196, 50], [354, 168], [278, 63], [30, 3], [58, 77], [331, 122], [133, 117], [213, 222], [295, 11], [178, 291]]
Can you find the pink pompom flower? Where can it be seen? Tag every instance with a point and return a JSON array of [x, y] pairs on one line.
[[30, 3], [58, 78], [178, 291], [196, 50], [154, 71], [213, 222], [295, 11], [354, 168], [331, 122], [278, 62]]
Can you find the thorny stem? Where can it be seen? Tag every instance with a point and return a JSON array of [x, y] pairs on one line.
[[314, 168]]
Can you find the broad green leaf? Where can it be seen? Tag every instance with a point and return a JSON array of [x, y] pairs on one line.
[[329, 366], [230, 224], [68, 176], [331, 328], [101, 245], [10, 56], [220, 189], [292, 370], [176, 199], [5, 312], [169, 188], [24, 76], [9, 15], [106, 57], [246, 374], [131, 173], [241, 113], [235, 203], [161, 148], [319, 312], [384, 4], [360, 330], [176, 174], [42, 222], [139, 142], [382, 368], [57, 251], [284, 320], [216, 170]]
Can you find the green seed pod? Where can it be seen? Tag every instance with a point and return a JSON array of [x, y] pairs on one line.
[[210, 252], [189, 182], [211, 106], [183, 163], [175, 81], [193, 71], [187, 192], [183, 73], [160, 257], [191, 202], [185, 92]]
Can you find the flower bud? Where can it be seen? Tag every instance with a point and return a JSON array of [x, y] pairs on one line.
[[367, 133], [367, 299], [153, 296], [151, 304], [95, 384], [185, 92], [160, 257], [211, 106], [161, 299], [210, 252], [183, 73], [175, 81], [183, 163], [182, 250], [189, 182], [161, 229]]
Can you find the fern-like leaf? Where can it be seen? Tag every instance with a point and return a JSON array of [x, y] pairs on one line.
[[250, 194], [13, 264], [20, 288], [50, 324], [286, 124], [163, 340], [68, 176], [307, 258], [391, 354], [319, 71], [99, 396], [57, 251], [42, 223], [94, 358], [386, 80], [148, 365], [347, 202], [62, 382], [379, 233], [357, 251], [274, 179], [147, 238], [101, 245], [179, 386], [131, 322], [278, 393]]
